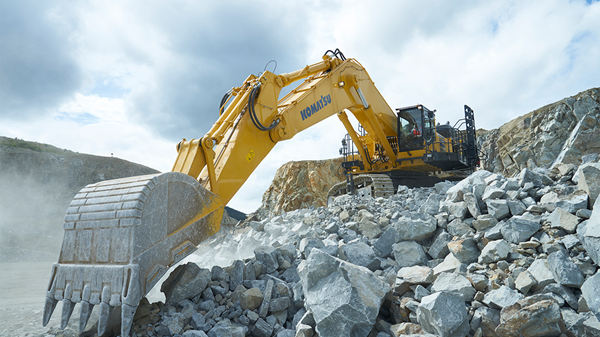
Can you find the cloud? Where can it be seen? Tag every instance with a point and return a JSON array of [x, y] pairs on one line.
[[38, 68]]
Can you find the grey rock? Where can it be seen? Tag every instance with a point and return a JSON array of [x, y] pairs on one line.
[[262, 329], [444, 314], [590, 290], [472, 204], [474, 183], [307, 244], [439, 247], [464, 250], [589, 181], [455, 283], [588, 233], [409, 253], [591, 327], [573, 202], [237, 275], [524, 282], [573, 321], [383, 245], [563, 220], [563, 292], [498, 208], [494, 251], [286, 333], [458, 209], [415, 226], [539, 319], [219, 274], [194, 333], [492, 193], [484, 222], [542, 274], [501, 297], [361, 254], [227, 329], [279, 304], [584, 213], [570, 241], [266, 303], [518, 229], [528, 176], [268, 257], [303, 330], [564, 271], [516, 207], [185, 282], [344, 299], [459, 228], [416, 275], [421, 292], [368, 228]]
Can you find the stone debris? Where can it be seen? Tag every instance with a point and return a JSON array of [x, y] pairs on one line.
[[490, 259]]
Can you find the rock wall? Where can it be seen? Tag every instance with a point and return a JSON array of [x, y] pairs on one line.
[[300, 184], [561, 132]]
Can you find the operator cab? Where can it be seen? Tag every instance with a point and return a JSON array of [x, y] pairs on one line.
[[416, 127]]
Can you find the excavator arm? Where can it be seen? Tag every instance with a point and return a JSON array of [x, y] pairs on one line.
[[256, 119], [122, 235]]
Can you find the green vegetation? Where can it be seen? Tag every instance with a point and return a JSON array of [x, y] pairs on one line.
[[34, 146]]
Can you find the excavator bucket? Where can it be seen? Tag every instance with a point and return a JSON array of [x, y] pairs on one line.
[[121, 236]]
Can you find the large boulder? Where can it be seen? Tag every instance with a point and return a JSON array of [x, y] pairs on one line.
[[185, 282], [590, 290], [409, 253], [518, 229], [588, 233], [415, 226], [344, 299], [539, 319], [589, 181], [444, 314], [565, 272]]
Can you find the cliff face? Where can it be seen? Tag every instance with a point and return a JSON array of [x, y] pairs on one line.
[[561, 132], [300, 184]]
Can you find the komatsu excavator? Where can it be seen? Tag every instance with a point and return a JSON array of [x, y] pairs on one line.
[[122, 235]]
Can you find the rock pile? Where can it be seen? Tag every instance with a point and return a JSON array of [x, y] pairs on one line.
[[488, 256]]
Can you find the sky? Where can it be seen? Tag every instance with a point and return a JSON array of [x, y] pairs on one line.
[[131, 78]]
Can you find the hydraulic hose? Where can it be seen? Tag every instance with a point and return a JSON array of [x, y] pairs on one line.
[[253, 117]]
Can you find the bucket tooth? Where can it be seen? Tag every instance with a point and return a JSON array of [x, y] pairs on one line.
[[49, 309], [127, 313], [121, 236], [84, 315], [67, 310], [105, 310]]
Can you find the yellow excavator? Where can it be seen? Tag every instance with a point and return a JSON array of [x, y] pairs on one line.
[[122, 235]]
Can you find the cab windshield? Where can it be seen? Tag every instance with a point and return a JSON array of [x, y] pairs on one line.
[[411, 129]]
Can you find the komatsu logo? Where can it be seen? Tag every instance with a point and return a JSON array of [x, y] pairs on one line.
[[313, 108]]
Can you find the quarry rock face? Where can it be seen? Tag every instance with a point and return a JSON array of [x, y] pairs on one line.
[[559, 133], [300, 184]]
